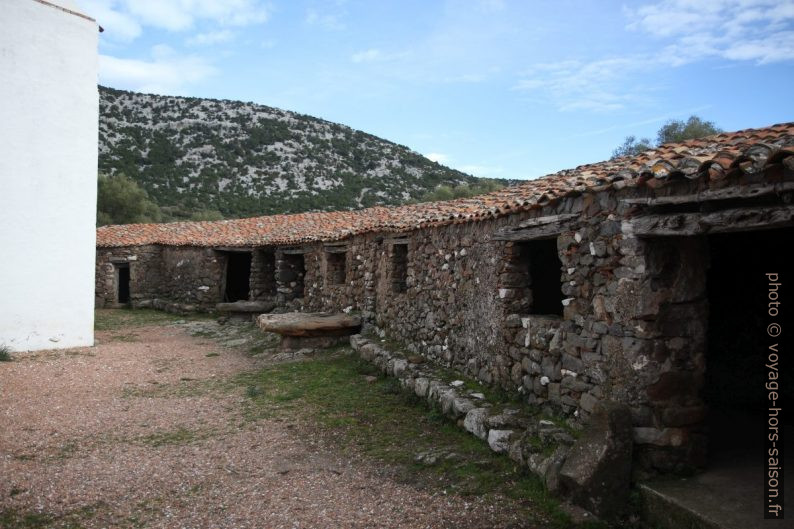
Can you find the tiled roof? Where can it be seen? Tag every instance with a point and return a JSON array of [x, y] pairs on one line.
[[711, 159]]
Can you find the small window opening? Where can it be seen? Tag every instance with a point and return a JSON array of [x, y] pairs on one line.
[[123, 283], [542, 264], [335, 267], [399, 262], [238, 274]]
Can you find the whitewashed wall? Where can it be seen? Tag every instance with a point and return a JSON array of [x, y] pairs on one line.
[[48, 173]]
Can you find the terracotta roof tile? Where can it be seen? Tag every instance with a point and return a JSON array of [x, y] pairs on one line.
[[711, 158]]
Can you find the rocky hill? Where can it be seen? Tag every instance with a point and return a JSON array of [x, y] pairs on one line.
[[244, 159]]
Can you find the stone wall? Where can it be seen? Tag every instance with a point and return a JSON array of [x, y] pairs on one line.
[[291, 277], [592, 469], [180, 279], [632, 329], [263, 275], [145, 263], [357, 291], [193, 277], [656, 361]]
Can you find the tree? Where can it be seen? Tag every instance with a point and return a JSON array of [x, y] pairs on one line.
[[631, 147], [121, 201], [674, 130]]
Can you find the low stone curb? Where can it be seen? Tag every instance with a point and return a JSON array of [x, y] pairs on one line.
[[538, 444]]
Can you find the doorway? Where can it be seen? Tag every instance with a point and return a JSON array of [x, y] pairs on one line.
[[729, 492], [238, 274], [123, 283], [737, 288]]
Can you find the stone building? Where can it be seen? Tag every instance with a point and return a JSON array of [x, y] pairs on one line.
[[49, 110], [626, 280]]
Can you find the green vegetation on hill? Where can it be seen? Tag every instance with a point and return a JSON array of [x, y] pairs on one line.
[[121, 201], [205, 159]]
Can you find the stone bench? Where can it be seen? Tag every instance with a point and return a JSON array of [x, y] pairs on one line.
[[300, 330], [245, 310]]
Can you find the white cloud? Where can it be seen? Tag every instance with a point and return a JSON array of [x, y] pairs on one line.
[[211, 37], [598, 86], [367, 55], [124, 18], [165, 73], [176, 15], [773, 48], [437, 157], [166, 15], [689, 31], [739, 30], [117, 25]]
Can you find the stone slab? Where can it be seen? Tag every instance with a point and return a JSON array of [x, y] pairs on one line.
[[308, 324]]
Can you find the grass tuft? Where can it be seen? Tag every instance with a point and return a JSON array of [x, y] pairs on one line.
[[180, 436], [5, 353]]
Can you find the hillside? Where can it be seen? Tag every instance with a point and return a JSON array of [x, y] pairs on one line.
[[244, 159]]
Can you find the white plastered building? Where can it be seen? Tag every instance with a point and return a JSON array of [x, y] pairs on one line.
[[48, 174]]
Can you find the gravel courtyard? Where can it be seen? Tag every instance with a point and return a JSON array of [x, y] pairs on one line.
[[149, 429]]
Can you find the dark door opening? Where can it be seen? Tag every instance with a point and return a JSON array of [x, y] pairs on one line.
[[734, 389], [123, 283], [238, 274]]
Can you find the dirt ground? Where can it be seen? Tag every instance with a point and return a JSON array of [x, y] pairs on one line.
[[114, 436]]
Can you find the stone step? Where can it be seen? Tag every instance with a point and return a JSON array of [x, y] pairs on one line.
[[729, 495], [661, 511]]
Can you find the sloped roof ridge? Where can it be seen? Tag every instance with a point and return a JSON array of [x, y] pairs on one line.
[[711, 157]]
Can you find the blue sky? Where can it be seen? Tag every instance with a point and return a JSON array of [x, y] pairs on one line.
[[499, 88]]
